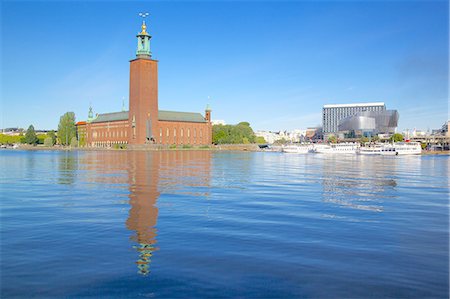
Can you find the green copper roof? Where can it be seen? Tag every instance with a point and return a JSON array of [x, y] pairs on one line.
[[162, 115], [114, 116], [180, 116]]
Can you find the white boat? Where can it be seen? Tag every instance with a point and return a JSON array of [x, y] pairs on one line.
[[407, 148], [337, 148], [377, 149], [296, 149], [389, 149], [370, 149]]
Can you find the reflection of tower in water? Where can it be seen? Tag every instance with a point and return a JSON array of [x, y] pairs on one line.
[[143, 215], [150, 172]]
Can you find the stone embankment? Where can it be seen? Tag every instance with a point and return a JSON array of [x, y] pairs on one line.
[[152, 147]]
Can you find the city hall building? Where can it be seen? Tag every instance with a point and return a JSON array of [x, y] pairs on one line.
[[144, 123]]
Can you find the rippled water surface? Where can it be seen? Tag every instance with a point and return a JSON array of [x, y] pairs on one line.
[[200, 224]]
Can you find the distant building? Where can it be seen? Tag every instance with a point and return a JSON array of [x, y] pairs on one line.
[[314, 134], [144, 123], [269, 137], [332, 114], [369, 123], [81, 133], [355, 120], [296, 135], [445, 131], [12, 131]]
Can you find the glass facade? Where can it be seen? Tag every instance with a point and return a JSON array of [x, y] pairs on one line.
[[370, 122], [332, 114]]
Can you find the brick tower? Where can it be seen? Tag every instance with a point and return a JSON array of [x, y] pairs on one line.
[[143, 115]]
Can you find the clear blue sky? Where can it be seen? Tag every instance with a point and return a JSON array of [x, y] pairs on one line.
[[273, 64]]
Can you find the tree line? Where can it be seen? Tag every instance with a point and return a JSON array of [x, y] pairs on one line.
[[66, 134], [241, 133]]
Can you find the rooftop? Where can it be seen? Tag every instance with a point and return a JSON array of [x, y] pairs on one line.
[[162, 115], [353, 105]]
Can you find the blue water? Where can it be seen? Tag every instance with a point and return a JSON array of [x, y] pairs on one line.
[[201, 224]]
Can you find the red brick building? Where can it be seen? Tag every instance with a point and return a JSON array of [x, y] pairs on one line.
[[144, 123]]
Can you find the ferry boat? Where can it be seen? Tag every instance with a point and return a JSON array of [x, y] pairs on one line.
[[407, 148], [370, 149], [296, 149], [388, 149], [337, 148]]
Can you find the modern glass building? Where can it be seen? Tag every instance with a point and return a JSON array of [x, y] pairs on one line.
[[332, 114], [369, 123]]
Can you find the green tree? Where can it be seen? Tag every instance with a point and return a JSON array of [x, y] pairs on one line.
[[397, 137], [30, 136], [10, 139], [233, 134], [66, 128], [260, 140], [41, 138], [74, 142], [48, 142], [364, 140], [332, 139], [51, 134]]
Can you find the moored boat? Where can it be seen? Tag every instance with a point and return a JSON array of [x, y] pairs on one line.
[[337, 148], [407, 148], [296, 149]]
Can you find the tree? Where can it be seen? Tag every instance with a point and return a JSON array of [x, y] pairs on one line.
[[332, 139], [363, 140], [233, 134], [397, 137], [66, 128], [260, 140], [51, 134], [30, 136], [10, 139], [41, 138], [48, 142], [74, 142]]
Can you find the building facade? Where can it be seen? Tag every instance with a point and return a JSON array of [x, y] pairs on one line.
[[81, 133], [332, 114], [369, 123], [144, 123]]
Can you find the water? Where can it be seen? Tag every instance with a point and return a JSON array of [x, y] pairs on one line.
[[201, 224]]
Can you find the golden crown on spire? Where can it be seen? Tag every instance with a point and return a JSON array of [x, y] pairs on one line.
[[144, 28]]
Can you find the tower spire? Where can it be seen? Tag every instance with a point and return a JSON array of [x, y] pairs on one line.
[[143, 47]]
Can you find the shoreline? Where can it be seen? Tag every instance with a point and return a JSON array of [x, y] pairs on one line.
[[223, 147]]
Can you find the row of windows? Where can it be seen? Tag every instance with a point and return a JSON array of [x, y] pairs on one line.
[[108, 143], [112, 134], [181, 132]]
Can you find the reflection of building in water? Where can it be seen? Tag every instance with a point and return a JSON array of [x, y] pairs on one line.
[[143, 179], [357, 182], [147, 172]]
